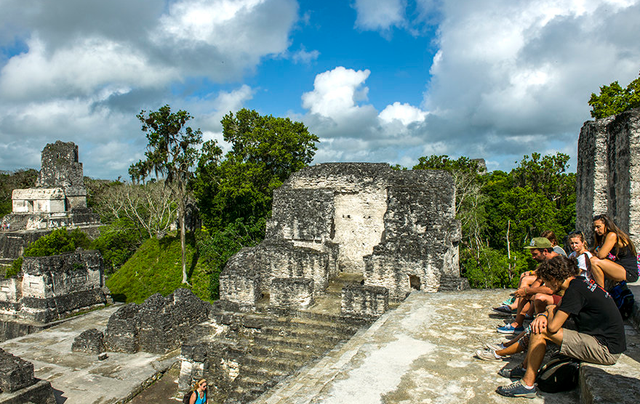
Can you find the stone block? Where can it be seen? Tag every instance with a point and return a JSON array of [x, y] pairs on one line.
[[364, 301], [122, 330], [15, 372], [40, 392], [90, 341], [158, 325], [294, 293]]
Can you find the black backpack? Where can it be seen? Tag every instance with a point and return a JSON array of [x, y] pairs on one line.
[[187, 397], [624, 299], [559, 374]]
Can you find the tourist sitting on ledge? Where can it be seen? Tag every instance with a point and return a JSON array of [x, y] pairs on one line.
[[600, 336], [541, 250], [615, 254]]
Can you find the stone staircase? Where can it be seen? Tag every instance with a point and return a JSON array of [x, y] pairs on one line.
[[266, 347], [258, 349]]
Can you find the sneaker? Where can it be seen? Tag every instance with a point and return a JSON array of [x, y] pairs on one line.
[[495, 347], [517, 389], [509, 329], [509, 301], [515, 373], [503, 309], [488, 355]]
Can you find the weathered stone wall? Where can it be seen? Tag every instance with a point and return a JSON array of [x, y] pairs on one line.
[[394, 227], [296, 293], [158, 325], [47, 200], [364, 301], [60, 166], [48, 288], [18, 384], [608, 173]]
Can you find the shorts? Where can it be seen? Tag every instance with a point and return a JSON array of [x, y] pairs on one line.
[[586, 348]]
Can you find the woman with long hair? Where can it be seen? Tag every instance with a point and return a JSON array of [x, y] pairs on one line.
[[580, 251], [199, 395], [615, 255]]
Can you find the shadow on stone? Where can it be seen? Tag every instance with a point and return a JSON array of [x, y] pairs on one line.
[[605, 387], [59, 395]]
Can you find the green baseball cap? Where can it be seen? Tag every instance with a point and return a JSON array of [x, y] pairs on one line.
[[539, 242]]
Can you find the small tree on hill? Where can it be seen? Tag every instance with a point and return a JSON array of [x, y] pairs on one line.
[[172, 154]]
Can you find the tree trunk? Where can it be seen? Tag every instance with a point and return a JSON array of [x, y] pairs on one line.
[[183, 241]]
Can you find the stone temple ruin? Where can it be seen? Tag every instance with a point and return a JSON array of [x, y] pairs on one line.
[[395, 229], [49, 288], [608, 173], [345, 241], [58, 200]]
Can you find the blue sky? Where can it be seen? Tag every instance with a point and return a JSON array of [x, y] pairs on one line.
[[376, 80]]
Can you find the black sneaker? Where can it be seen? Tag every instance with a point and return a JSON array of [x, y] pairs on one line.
[[517, 389], [515, 373]]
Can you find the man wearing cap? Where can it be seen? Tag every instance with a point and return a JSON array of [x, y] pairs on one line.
[[541, 250]]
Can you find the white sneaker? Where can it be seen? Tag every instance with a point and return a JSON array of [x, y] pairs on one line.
[[487, 355]]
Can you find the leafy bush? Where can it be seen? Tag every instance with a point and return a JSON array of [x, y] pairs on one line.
[[15, 267], [117, 243], [57, 242], [215, 248]]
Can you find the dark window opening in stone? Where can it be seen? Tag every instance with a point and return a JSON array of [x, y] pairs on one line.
[[414, 281], [265, 298]]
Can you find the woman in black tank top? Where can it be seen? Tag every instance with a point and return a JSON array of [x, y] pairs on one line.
[[614, 255]]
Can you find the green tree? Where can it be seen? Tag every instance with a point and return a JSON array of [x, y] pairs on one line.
[[172, 153], [613, 99], [264, 152]]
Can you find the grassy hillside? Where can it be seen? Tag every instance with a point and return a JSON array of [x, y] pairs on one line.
[[156, 267]]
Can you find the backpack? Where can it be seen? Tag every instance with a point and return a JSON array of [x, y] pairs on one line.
[[559, 374], [187, 397], [623, 298]]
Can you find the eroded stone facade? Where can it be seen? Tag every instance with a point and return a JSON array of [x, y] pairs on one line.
[[60, 196], [608, 173], [49, 288], [396, 228], [158, 325]]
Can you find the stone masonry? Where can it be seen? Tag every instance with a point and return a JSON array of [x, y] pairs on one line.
[[158, 325], [48, 288], [395, 228], [58, 200], [18, 384], [608, 173]]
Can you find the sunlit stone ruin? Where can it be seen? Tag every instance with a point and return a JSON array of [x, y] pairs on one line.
[[345, 241], [608, 173], [394, 229], [59, 199]]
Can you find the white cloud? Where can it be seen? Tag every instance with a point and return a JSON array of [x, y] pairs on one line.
[[84, 69], [336, 94], [404, 113], [379, 14], [302, 56]]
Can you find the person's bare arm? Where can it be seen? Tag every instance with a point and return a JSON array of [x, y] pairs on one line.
[[552, 320], [609, 242]]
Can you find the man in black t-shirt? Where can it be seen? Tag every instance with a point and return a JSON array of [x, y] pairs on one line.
[[600, 336]]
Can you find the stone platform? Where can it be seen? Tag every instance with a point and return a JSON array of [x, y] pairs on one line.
[[422, 352], [79, 377]]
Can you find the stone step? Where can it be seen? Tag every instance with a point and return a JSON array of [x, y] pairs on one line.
[[268, 373], [270, 363], [297, 330], [284, 352], [310, 344]]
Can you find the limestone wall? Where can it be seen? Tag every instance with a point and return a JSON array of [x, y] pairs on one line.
[[47, 200], [396, 228], [50, 287], [608, 173]]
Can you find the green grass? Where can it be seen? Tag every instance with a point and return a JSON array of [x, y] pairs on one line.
[[156, 268]]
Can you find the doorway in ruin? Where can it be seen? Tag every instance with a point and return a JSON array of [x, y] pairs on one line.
[[414, 282], [359, 224]]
